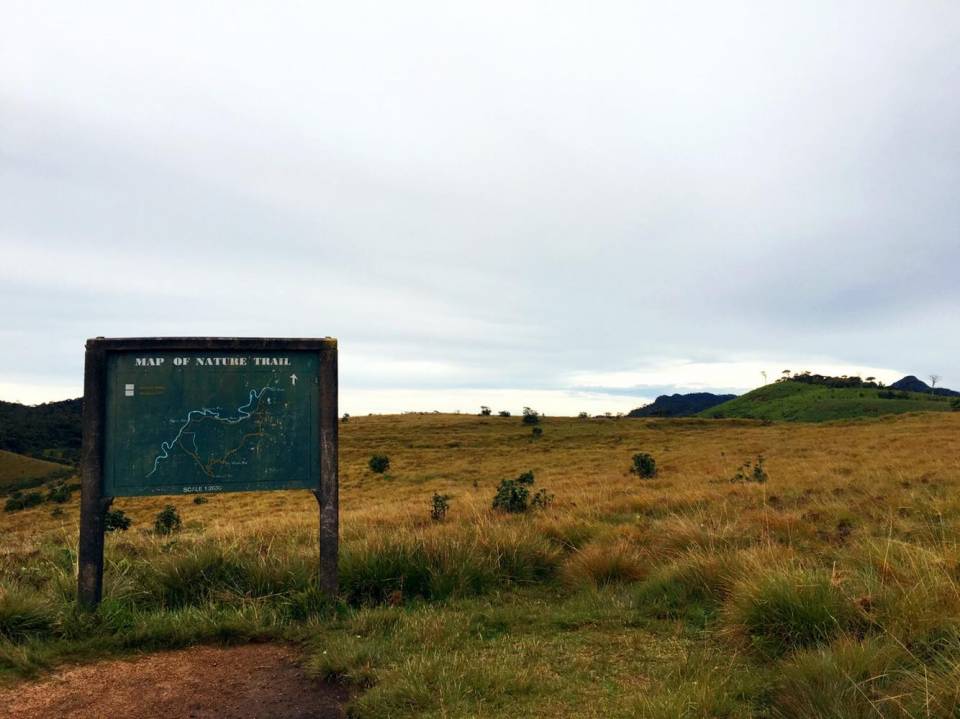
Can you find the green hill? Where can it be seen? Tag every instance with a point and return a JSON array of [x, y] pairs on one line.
[[18, 471], [46, 431], [801, 402]]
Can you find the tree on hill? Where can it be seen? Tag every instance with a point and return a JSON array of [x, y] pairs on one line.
[[50, 430]]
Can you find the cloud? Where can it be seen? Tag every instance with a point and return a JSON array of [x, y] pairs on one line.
[[532, 197]]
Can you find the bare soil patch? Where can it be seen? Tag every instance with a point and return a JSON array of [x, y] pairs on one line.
[[262, 681]]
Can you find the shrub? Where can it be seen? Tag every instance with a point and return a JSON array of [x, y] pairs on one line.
[[167, 520], [59, 493], [513, 496], [485, 411], [751, 473], [583, 415], [200, 499], [439, 507], [644, 465], [116, 520], [537, 432], [18, 501], [530, 416], [503, 413], [345, 418], [542, 499], [379, 463]]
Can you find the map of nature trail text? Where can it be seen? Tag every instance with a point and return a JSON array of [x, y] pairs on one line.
[[213, 453]]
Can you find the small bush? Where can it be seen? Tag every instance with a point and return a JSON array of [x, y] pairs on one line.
[[200, 499], [19, 500], [345, 418], [503, 413], [530, 416], [60, 493], [751, 473], [439, 506], [644, 465], [167, 520], [485, 411], [379, 463], [511, 497], [583, 415], [116, 520], [542, 499], [514, 497], [537, 432]]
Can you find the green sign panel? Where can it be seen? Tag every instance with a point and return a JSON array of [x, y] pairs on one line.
[[188, 421]]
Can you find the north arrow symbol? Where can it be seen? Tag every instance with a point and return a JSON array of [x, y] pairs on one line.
[[293, 379]]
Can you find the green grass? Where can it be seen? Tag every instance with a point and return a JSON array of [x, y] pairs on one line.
[[797, 401]]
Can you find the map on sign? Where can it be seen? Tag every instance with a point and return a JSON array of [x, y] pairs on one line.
[[183, 422]]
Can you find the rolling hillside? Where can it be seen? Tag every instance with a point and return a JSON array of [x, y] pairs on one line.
[[18, 471], [796, 401]]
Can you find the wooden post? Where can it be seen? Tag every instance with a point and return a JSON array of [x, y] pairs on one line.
[[328, 492], [93, 505]]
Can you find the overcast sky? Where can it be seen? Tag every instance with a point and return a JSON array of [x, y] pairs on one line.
[[573, 206]]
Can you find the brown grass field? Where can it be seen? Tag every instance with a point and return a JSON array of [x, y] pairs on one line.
[[829, 590], [17, 468]]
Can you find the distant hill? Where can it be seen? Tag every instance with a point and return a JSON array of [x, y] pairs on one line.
[[17, 471], [804, 402], [680, 405], [46, 431], [914, 384]]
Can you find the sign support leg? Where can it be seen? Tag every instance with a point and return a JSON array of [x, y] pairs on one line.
[[328, 492], [93, 505]]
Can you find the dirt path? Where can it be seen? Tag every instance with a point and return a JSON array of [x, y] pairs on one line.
[[254, 681]]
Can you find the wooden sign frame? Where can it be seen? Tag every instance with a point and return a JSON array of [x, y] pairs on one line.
[[94, 503]]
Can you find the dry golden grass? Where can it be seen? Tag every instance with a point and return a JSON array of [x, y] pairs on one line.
[[15, 468], [858, 523], [894, 476]]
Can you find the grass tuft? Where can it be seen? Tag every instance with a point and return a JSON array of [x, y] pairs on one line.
[[778, 610]]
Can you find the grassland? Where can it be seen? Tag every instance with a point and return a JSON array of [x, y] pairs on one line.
[[828, 591], [796, 401], [17, 470]]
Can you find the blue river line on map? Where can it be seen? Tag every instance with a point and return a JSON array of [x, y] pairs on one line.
[[243, 413]]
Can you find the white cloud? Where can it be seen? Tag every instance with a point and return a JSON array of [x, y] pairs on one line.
[[532, 196], [711, 376]]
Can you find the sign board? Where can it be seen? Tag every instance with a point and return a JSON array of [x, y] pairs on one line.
[[181, 415], [183, 422]]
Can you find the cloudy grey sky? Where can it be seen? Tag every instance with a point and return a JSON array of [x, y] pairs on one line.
[[564, 205]]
